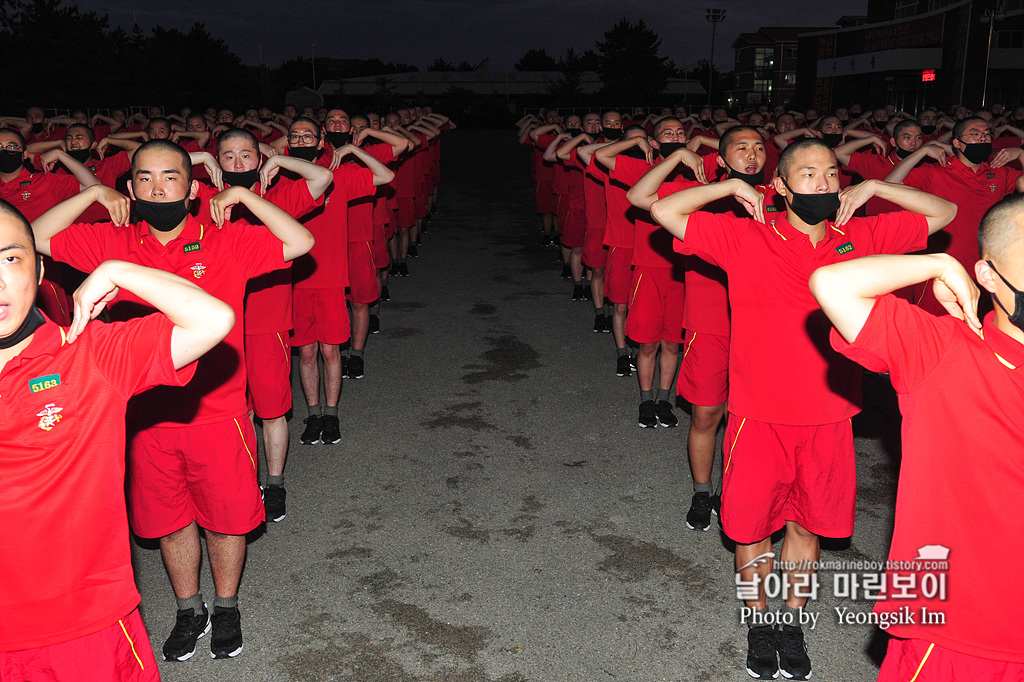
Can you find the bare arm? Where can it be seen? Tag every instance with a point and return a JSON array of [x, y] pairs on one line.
[[79, 171], [938, 212], [586, 153], [399, 143], [606, 155], [297, 240], [317, 178], [382, 175], [846, 291], [673, 212], [565, 150], [645, 192], [845, 152], [902, 169], [550, 153], [200, 320], [66, 212]]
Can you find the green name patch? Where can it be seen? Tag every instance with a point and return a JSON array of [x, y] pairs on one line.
[[194, 246], [43, 383], [845, 248]]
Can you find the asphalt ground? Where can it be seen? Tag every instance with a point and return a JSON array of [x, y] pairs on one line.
[[493, 512]]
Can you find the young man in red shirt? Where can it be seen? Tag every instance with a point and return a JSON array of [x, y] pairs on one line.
[[587, 198], [321, 320], [790, 398], [65, 394], [704, 374], [961, 394], [192, 457], [906, 139], [969, 181], [268, 302], [33, 193]]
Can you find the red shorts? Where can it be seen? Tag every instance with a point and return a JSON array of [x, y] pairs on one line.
[[319, 315], [119, 653], [655, 306], [776, 473], [268, 366], [544, 198], [618, 274], [406, 213], [918, 660], [561, 210], [704, 371], [204, 473], [574, 229], [362, 273], [419, 203], [595, 253]]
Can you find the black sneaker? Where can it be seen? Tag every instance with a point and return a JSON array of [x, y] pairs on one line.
[[403, 270], [566, 272], [273, 503], [393, 272], [314, 426], [587, 294], [599, 322], [545, 239], [355, 367], [188, 628], [716, 504], [374, 324], [344, 367], [794, 663], [648, 415], [699, 516], [666, 417], [227, 633], [632, 362], [414, 252], [622, 366], [577, 293], [761, 661], [385, 295], [332, 430]]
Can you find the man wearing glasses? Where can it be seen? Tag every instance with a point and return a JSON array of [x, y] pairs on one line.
[[969, 180]]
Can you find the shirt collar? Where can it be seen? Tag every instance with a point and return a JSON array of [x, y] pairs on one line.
[[786, 232], [1008, 351], [25, 174], [958, 166], [46, 340], [193, 232]]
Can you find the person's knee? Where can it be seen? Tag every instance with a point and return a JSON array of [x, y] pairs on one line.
[[795, 529], [706, 418], [648, 349], [330, 351]]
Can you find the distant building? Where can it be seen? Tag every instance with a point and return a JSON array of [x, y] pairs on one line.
[[766, 64], [917, 53]]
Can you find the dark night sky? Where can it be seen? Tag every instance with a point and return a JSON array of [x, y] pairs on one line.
[[417, 31]]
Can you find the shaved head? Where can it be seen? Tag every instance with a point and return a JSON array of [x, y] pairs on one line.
[[1001, 227]]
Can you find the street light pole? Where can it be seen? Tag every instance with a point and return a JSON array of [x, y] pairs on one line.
[[714, 15], [990, 17], [312, 56]]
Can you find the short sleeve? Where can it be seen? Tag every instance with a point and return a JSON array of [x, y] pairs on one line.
[[901, 339], [293, 198], [713, 237], [136, 355], [354, 181], [628, 170], [898, 232], [84, 246], [920, 177]]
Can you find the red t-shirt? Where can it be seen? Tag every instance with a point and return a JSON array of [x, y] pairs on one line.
[[781, 368], [221, 260], [36, 193], [972, 192], [360, 210], [652, 244], [268, 298], [65, 560], [326, 265], [871, 166], [594, 194], [619, 232], [544, 171], [962, 400]]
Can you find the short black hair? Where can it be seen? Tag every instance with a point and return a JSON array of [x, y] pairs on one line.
[[166, 146], [786, 157], [237, 132], [959, 126], [307, 119], [727, 136], [903, 125], [1001, 226], [92, 134], [667, 119], [17, 134], [158, 119], [8, 209]]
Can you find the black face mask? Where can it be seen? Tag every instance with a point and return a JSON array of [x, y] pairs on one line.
[[10, 161], [635, 153], [33, 321], [244, 179], [1017, 316], [611, 133], [903, 153], [928, 130], [752, 180], [338, 139], [976, 152], [162, 217], [80, 155], [266, 120], [833, 140], [812, 208], [37, 128], [706, 122], [666, 148], [1018, 123], [304, 153]]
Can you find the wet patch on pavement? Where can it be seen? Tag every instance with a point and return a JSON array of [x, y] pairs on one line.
[[521, 442], [462, 641], [483, 309], [633, 561], [381, 583], [351, 553], [453, 417], [508, 360]]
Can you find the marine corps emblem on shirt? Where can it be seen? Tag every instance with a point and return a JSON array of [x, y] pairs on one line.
[[198, 270], [25, 196], [992, 188], [49, 416]]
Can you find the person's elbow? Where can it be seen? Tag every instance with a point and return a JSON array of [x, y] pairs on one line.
[[383, 178], [221, 322], [945, 214], [300, 246], [639, 199]]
